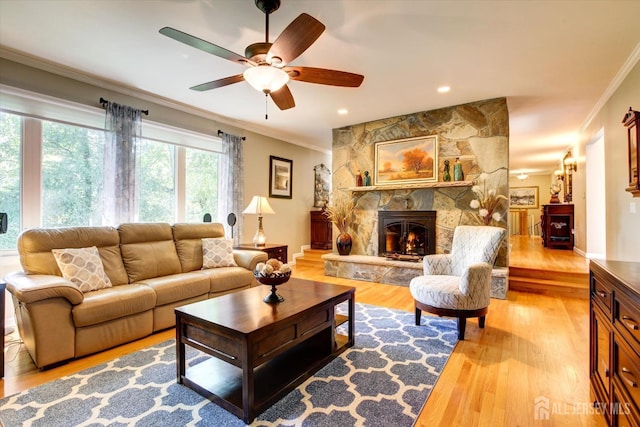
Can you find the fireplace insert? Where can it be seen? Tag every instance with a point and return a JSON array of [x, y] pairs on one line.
[[402, 233]]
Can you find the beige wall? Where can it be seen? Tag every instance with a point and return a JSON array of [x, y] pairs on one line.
[[622, 227], [291, 223]]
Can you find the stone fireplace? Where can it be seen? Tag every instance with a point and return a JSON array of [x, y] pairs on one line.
[[406, 233], [476, 134]]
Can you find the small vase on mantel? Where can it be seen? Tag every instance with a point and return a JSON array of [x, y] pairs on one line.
[[343, 243]]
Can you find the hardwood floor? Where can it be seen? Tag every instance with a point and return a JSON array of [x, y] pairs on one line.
[[534, 346]]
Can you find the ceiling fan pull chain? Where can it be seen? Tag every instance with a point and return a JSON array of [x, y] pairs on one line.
[[266, 106]]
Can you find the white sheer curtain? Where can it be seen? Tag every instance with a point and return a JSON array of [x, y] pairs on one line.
[[231, 184], [123, 126]]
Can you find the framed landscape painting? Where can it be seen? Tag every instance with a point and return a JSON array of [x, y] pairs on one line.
[[406, 161], [523, 197], [280, 177]]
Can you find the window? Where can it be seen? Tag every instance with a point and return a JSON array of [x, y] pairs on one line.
[[10, 141], [201, 185], [52, 167], [156, 183], [72, 165]]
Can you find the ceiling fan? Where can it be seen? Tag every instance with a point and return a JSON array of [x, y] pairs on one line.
[[268, 70]]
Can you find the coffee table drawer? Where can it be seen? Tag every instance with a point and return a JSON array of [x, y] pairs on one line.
[[225, 348], [286, 336]]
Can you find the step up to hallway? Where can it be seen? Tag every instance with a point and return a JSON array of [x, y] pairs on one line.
[[312, 258], [570, 284]]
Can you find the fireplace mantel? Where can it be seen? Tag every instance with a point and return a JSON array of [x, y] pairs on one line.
[[413, 186]]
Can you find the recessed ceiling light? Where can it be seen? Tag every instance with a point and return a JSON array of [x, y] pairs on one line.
[[343, 111], [444, 89]]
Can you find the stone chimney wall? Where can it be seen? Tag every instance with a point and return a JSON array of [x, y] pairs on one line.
[[477, 133]]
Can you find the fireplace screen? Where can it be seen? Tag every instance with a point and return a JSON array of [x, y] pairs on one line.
[[406, 233]]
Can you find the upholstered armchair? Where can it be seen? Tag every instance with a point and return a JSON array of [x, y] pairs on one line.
[[459, 284]]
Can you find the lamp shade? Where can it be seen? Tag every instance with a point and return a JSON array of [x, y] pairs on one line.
[[258, 206], [266, 78]]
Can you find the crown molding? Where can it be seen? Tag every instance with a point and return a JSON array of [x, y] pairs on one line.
[[622, 74]]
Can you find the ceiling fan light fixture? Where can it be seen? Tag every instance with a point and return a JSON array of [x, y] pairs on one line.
[[266, 78]]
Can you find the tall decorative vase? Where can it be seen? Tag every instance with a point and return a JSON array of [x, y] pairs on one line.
[[343, 242]]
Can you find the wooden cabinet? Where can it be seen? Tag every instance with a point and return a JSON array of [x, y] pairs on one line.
[[276, 251], [614, 344], [556, 223], [321, 231]]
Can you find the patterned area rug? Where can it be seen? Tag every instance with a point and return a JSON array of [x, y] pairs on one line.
[[384, 380]]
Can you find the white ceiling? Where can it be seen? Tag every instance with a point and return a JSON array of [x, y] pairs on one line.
[[553, 60]]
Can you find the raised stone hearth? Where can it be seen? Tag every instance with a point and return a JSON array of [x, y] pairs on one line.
[[391, 272]]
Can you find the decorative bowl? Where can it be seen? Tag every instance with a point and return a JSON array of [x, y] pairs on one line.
[[273, 280]]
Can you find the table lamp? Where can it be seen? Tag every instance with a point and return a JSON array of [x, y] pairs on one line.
[[259, 206]]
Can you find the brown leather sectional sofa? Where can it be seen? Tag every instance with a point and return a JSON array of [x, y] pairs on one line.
[[154, 267]]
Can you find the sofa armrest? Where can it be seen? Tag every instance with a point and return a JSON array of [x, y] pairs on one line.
[[248, 258], [28, 288], [437, 264]]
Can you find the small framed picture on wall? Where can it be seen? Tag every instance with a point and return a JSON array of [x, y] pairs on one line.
[[280, 177]]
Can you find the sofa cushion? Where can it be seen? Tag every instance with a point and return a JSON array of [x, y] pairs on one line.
[[82, 267], [217, 252], [35, 245], [113, 303], [178, 287], [228, 278], [188, 241], [148, 250]]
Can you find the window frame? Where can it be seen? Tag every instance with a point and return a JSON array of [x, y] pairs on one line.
[[33, 108]]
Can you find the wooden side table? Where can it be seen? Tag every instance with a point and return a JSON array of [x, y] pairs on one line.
[[273, 250]]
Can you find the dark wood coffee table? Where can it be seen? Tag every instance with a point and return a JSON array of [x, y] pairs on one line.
[[261, 351]]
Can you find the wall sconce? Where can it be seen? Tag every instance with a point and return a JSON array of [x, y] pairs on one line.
[[259, 206], [571, 164], [559, 175], [522, 176]]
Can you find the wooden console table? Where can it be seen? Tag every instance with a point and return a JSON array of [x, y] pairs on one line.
[[259, 351], [556, 225], [321, 231]]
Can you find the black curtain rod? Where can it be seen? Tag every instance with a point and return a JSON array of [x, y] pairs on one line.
[[104, 101], [220, 133]]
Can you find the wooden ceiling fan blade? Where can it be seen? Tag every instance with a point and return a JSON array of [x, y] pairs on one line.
[[283, 98], [203, 45], [218, 83], [324, 76], [296, 38]]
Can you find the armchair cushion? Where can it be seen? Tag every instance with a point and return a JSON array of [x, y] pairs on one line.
[[466, 292]]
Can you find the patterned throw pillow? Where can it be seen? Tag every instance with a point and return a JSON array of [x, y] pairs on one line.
[[82, 267], [217, 252]]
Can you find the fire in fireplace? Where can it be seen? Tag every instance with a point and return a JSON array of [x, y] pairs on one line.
[[406, 233]]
